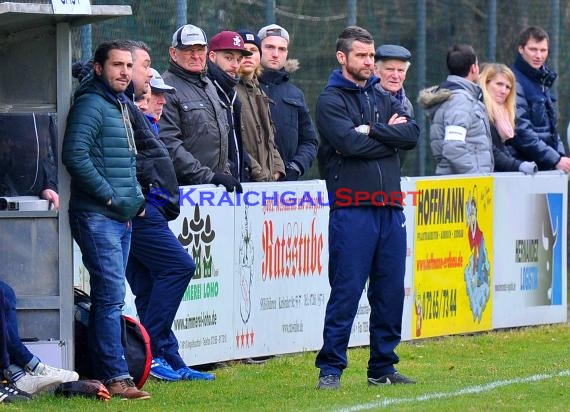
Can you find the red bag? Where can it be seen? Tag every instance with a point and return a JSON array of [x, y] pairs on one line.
[[137, 349], [134, 337]]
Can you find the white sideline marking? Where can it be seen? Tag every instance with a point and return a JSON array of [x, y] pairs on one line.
[[441, 395]]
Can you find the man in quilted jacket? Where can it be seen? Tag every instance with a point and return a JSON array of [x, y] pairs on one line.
[[100, 155]]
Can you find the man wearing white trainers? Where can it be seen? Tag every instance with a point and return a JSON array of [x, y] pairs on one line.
[[8, 392], [27, 371]]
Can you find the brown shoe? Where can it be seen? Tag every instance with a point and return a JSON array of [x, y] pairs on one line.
[[126, 389]]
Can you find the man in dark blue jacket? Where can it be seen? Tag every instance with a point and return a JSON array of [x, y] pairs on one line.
[[158, 265], [362, 129], [537, 137], [100, 155], [294, 132]]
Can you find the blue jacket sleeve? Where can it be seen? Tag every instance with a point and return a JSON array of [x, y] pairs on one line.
[[308, 142], [527, 142], [399, 136], [335, 125]]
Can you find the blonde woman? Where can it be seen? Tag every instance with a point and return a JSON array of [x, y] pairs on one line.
[[498, 84], [257, 128]]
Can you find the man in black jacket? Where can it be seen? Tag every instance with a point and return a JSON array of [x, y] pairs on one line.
[[226, 50], [159, 268], [362, 129]]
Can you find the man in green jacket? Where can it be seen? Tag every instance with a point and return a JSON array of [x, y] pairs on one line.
[[100, 155]]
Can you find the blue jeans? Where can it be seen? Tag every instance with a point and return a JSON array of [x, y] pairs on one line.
[[158, 272], [19, 353], [365, 243], [104, 245]]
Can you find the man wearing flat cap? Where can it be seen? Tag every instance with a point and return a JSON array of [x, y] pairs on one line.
[[391, 65], [194, 124]]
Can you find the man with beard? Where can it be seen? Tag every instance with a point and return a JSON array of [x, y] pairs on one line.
[[100, 155], [225, 54], [362, 129]]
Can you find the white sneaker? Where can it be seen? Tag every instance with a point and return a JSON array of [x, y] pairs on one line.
[[63, 375], [36, 383]]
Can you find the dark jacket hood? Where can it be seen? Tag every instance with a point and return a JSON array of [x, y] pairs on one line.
[[337, 80], [220, 78], [544, 76]]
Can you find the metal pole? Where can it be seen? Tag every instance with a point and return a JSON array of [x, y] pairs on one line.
[[181, 13], [492, 31], [86, 43], [554, 39], [269, 11], [351, 12], [421, 65]]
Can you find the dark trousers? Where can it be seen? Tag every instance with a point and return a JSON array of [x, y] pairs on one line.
[[4, 358], [159, 271], [19, 353], [365, 243]]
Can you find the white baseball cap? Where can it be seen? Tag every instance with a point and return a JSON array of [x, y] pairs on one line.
[[189, 35], [157, 83]]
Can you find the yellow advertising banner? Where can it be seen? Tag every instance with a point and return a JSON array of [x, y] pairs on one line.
[[453, 252]]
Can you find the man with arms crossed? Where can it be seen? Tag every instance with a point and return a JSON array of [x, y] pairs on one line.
[[367, 239]]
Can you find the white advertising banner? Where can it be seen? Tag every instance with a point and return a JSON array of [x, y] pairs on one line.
[[261, 283], [71, 6], [529, 249], [281, 268]]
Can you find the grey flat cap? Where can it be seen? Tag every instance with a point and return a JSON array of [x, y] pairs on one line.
[[392, 51]]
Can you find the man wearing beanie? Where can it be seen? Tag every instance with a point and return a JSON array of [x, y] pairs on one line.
[[194, 125], [258, 131], [295, 134], [225, 54]]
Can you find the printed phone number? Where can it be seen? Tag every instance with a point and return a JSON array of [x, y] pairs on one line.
[[437, 304]]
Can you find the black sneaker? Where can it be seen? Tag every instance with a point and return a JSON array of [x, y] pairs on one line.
[[9, 393], [390, 379], [329, 382]]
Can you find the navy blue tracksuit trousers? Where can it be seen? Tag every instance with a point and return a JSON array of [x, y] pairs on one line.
[[365, 243], [158, 271]]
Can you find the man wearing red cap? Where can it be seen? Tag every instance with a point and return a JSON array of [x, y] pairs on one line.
[[225, 54]]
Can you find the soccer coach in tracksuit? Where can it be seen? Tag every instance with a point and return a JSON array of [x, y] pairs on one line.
[[362, 129]]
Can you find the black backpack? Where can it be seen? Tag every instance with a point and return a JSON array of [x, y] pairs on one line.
[[134, 336]]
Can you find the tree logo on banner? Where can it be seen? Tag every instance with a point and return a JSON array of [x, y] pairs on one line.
[[199, 235]]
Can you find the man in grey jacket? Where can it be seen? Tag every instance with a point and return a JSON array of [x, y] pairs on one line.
[[460, 134], [194, 125]]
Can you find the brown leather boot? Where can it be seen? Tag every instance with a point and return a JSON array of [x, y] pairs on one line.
[[126, 389]]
